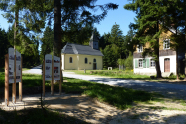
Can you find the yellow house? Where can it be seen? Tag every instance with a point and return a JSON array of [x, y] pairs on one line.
[[78, 57]]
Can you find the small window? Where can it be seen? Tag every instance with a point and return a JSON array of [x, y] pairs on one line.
[[140, 63], [86, 60], [152, 63], [166, 44], [94, 60], [70, 60], [140, 48]]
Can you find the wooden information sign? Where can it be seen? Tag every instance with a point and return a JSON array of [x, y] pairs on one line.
[[13, 74], [51, 72]]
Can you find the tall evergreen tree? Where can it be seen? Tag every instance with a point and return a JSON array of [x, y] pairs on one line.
[[4, 45], [117, 38], [149, 14], [47, 42]]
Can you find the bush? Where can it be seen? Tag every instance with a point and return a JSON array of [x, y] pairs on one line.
[[181, 76], [129, 62], [172, 76]]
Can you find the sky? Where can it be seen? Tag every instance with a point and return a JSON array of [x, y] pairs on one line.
[[119, 16]]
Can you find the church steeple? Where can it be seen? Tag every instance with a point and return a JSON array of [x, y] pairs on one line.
[[94, 41]]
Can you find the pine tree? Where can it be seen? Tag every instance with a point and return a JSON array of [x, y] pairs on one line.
[[116, 37], [149, 15]]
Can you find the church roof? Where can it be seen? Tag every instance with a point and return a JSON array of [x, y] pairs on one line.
[[72, 48]]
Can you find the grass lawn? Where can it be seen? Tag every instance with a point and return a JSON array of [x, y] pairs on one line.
[[127, 74]]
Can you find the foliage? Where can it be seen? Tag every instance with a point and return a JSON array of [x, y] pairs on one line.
[[47, 42], [181, 76], [116, 38], [128, 45], [110, 56], [129, 62], [104, 41], [4, 45], [149, 16], [121, 61], [172, 76]]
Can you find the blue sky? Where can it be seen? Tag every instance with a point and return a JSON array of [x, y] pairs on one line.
[[120, 16]]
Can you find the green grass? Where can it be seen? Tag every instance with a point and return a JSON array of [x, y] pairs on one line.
[[28, 80], [36, 116], [127, 74], [24, 69], [119, 97]]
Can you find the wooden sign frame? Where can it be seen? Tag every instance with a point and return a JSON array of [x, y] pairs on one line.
[[13, 84], [52, 81]]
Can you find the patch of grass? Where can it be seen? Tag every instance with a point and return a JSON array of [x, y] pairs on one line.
[[24, 69], [165, 108], [127, 74], [120, 97], [29, 80], [36, 116]]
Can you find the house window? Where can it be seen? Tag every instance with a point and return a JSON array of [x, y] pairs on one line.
[[140, 48], [140, 63], [86, 60], [152, 63], [94, 60], [70, 60], [166, 44]]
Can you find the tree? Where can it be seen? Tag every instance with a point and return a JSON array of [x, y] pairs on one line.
[[4, 45], [47, 42], [110, 56], [128, 45], [104, 40], [149, 15], [116, 37]]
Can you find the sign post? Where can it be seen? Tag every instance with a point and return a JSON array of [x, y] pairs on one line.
[[19, 72], [6, 79], [13, 74], [44, 77], [51, 71]]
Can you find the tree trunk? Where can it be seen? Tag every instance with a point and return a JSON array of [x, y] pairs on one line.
[[16, 25], [158, 71], [57, 27], [57, 31]]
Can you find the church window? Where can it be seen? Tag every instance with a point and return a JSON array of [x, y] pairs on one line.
[[86, 60], [70, 60]]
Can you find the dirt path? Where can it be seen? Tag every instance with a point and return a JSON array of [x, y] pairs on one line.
[[90, 110]]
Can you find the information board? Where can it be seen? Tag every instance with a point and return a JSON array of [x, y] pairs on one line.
[[11, 64], [56, 68], [18, 66], [48, 67]]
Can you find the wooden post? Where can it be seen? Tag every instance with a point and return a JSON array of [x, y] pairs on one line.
[[52, 82], [14, 84], [44, 78], [60, 77], [20, 83], [7, 79]]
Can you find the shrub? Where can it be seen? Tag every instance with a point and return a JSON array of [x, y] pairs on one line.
[[172, 76], [181, 76], [129, 62]]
